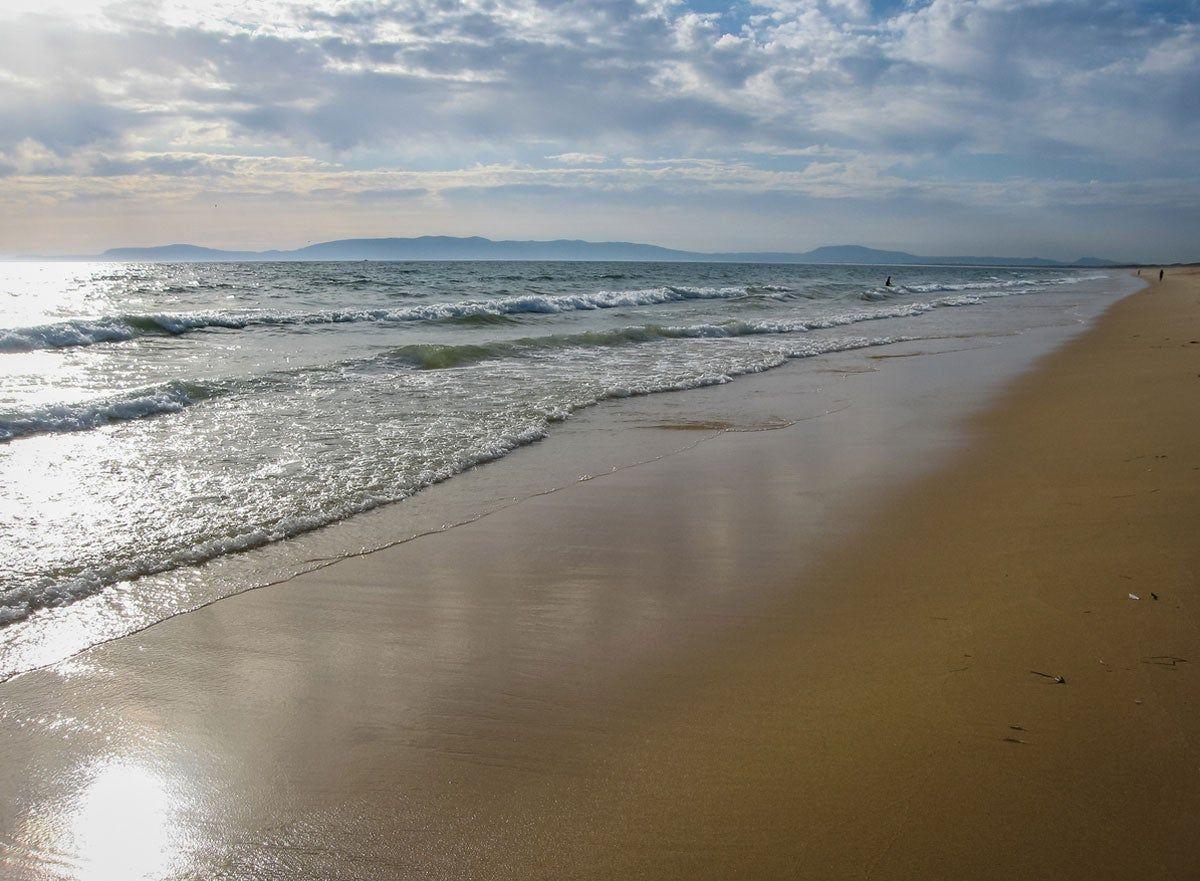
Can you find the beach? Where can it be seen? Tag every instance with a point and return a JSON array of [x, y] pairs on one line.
[[919, 610]]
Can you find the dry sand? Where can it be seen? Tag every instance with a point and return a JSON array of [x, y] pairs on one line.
[[874, 714]]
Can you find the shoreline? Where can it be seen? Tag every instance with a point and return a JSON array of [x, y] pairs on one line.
[[592, 441], [644, 714]]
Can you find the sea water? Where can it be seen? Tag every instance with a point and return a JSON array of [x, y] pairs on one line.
[[157, 416]]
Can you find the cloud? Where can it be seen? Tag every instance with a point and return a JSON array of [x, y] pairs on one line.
[[950, 102], [578, 158]]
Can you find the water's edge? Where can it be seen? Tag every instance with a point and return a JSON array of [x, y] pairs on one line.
[[591, 444]]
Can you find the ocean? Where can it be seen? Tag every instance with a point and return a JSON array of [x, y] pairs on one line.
[[154, 417]]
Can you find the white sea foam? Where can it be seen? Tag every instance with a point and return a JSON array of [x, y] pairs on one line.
[[17, 603], [85, 332], [996, 286], [65, 334], [170, 397]]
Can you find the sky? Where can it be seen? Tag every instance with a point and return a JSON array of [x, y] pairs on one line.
[[1054, 128]]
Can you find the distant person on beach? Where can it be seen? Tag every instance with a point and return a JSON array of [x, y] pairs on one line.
[[1160, 275], [888, 283]]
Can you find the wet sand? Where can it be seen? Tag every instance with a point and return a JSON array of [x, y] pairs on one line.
[[743, 658]]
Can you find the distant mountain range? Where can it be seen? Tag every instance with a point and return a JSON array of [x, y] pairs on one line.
[[478, 248]]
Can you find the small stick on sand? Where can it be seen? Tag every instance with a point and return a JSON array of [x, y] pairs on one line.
[[1059, 679]]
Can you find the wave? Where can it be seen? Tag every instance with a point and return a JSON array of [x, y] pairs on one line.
[[174, 396], [85, 332], [170, 397], [65, 334], [451, 355], [122, 328], [997, 287], [18, 603]]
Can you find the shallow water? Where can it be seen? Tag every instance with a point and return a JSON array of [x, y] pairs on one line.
[[157, 416]]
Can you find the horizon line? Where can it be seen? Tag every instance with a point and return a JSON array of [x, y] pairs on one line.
[[108, 254]]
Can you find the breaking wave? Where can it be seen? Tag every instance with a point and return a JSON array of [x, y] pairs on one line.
[[86, 332], [994, 287], [170, 397], [174, 396], [446, 356]]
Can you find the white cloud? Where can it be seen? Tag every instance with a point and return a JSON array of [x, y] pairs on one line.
[[963, 102], [578, 158]]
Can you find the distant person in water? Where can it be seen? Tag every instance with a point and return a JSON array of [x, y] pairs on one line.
[[1160, 275], [888, 283]]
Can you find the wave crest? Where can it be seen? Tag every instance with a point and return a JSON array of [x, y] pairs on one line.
[[174, 396], [86, 332], [170, 397]]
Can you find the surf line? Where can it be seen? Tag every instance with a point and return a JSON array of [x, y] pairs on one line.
[[316, 564]]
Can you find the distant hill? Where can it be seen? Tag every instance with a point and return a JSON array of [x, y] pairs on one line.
[[181, 254], [479, 248]]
